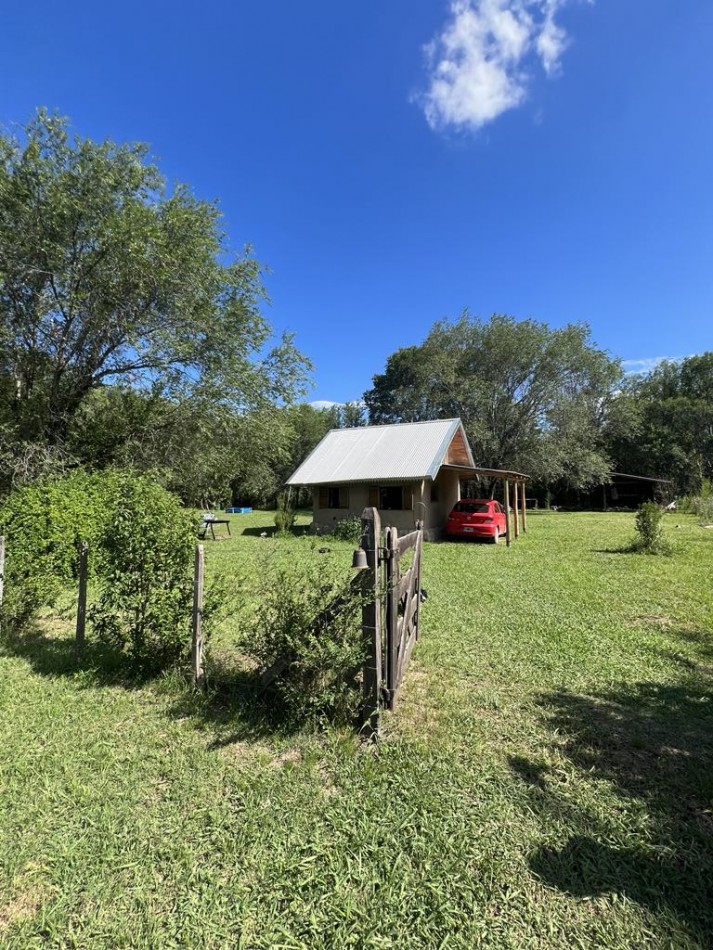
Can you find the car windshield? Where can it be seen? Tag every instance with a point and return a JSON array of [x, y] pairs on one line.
[[473, 507]]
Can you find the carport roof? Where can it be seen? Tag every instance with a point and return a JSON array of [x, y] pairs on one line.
[[468, 471]]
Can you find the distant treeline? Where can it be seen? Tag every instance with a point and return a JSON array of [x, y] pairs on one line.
[[131, 338]]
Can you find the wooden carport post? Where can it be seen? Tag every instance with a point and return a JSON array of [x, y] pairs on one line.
[[516, 508], [371, 622], [508, 530], [524, 509]]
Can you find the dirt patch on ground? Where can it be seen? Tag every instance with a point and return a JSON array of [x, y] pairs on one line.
[[259, 753], [656, 620], [25, 904]]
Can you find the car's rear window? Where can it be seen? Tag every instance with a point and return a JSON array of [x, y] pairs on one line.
[[472, 508]]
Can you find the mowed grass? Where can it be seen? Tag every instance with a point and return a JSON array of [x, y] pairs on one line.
[[546, 780]]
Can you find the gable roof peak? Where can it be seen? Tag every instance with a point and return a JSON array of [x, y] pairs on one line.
[[395, 451]]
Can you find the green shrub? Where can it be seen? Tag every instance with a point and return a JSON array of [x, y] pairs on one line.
[[146, 582], [348, 529], [703, 507], [43, 524], [700, 504], [649, 530], [306, 626], [285, 515]]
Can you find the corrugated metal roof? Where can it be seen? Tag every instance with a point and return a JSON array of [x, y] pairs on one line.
[[378, 453], [641, 478]]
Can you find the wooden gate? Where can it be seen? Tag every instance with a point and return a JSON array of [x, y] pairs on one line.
[[403, 605], [391, 602]]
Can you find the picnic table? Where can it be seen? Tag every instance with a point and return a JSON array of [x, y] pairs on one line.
[[209, 522]]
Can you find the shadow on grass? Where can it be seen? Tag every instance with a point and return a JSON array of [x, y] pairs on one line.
[[54, 656], [654, 743], [235, 708], [626, 549], [270, 531], [700, 640], [633, 547]]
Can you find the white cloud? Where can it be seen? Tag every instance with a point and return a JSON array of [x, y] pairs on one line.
[[478, 64], [328, 404], [551, 42], [647, 363]]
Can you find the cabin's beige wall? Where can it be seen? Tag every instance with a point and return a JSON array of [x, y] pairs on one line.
[[447, 485], [432, 513], [324, 519]]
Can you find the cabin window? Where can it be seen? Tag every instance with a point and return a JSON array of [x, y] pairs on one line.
[[334, 496], [435, 493], [395, 498]]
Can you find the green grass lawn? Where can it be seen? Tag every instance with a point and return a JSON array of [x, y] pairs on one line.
[[546, 781]]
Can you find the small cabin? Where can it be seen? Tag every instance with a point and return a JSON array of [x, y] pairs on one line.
[[409, 471]]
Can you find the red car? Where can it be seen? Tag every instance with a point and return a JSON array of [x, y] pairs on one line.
[[477, 518]]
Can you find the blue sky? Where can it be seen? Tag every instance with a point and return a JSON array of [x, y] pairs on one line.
[[394, 161]]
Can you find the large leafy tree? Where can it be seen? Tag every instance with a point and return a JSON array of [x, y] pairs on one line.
[[530, 397], [108, 276], [207, 452], [661, 424]]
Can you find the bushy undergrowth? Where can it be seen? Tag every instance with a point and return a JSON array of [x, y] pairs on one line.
[[306, 627], [141, 544], [649, 530], [284, 516], [348, 529], [145, 604], [700, 504], [43, 524]]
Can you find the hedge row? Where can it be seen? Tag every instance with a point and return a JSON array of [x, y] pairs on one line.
[[141, 542]]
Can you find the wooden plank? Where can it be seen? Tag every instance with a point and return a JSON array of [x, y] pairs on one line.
[[407, 542], [417, 571], [371, 622], [197, 639], [409, 613], [408, 649], [405, 591], [392, 610], [406, 658], [405, 582], [508, 537], [82, 599], [516, 513]]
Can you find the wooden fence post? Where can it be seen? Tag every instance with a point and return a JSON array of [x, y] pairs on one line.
[[371, 622], [197, 641], [508, 530], [516, 509], [524, 508], [2, 567], [418, 558], [393, 578], [82, 598]]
